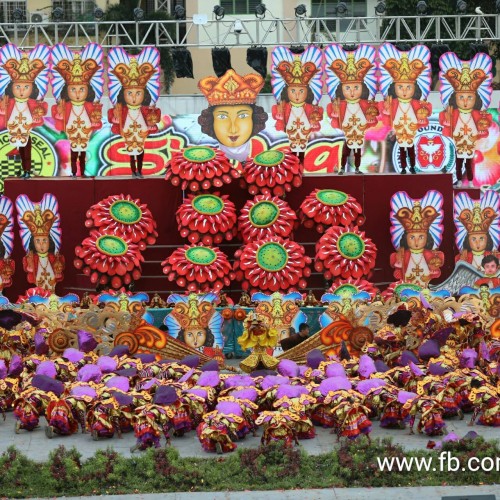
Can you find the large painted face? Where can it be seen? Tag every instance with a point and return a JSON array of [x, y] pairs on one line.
[[233, 125], [352, 91], [22, 90], [478, 241], [404, 90], [465, 100], [41, 244], [491, 268], [297, 94], [133, 96], [195, 337], [283, 333], [416, 240], [78, 93]]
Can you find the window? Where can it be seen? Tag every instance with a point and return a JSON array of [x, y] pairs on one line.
[[327, 8], [232, 7], [76, 10], [7, 8]]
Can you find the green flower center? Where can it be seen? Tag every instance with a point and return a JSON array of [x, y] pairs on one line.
[[350, 246], [406, 286], [272, 257], [269, 158], [125, 212], [198, 154], [202, 256], [208, 204], [331, 197], [114, 246], [346, 290], [264, 213]]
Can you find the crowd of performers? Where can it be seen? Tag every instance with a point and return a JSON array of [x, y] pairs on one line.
[[451, 370]]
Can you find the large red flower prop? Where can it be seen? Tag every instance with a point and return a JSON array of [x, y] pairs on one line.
[[198, 268], [109, 259], [125, 217], [265, 216], [345, 253], [199, 168], [208, 218], [272, 264], [272, 172], [328, 207], [352, 286]]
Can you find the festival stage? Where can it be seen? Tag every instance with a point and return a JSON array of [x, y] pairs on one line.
[[75, 196]]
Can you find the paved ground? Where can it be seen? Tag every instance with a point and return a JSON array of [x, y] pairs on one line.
[[37, 446]]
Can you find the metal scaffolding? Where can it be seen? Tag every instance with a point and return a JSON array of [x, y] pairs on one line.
[[261, 32]]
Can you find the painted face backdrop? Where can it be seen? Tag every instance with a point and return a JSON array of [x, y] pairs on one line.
[[417, 232], [7, 265], [40, 231]]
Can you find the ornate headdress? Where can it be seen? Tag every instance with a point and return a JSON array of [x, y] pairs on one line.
[[4, 222], [477, 220], [193, 314], [278, 313], [24, 70], [39, 223], [296, 72], [465, 80], [404, 70], [351, 71], [416, 219], [231, 88], [133, 75], [77, 71]]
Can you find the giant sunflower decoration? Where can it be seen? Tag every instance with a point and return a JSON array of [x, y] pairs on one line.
[[109, 259], [123, 216], [198, 268], [209, 218], [350, 286], [329, 207], [272, 264], [199, 168], [345, 253], [265, 216], [272, 172]]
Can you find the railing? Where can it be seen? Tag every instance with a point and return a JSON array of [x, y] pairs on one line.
[[247, 32]]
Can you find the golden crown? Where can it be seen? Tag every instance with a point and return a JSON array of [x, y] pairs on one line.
[[477, 220], [24, 70], [465, 80], [134, 75], [416, 219], [351, 71], [77, 71], [404, 70], [296, 73], [231, 88], [39, 223]]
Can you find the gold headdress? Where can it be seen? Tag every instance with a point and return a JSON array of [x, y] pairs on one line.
[[24, 70], [193, 314], [4, 222], [296, 73], [39, 223], [404, 70], [351, 71], [133, 75], [77, 71], [416, 219], [477, 220], [231, 88], [465, 80]]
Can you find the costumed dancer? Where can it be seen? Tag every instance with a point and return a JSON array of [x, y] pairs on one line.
[[103, 418], [278, 426], [7, 265], [24, 78], [486, 400], [405, 83], [416, 234], [297, 84], [352, 84], [431, 415], [478, 227], [134, 88], [151, 420], [40, 232], [28, 407], [351, 419], [77, 82], [466, 94]]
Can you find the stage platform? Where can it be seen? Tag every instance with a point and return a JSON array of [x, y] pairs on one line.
[[75, 196]]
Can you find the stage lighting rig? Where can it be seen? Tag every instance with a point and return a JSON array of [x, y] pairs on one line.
[[179, 12], [461, 6], [138, 14], [422, 8], [260, 11], [380, 8], [300, 10], [219, 12]]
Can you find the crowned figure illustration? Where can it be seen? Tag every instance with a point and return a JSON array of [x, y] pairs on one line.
[[7, 265], [23, 85], [232, 117], [416, 233], [405, 83], [134, 88], [351, 84], [195, 321], [77, 82], [478, 227], [466, 94], [297, 83], [40, 231]]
